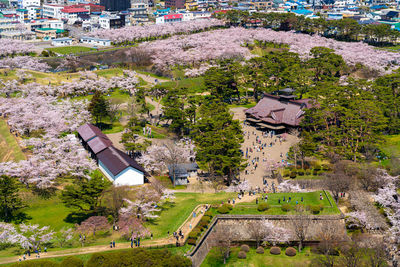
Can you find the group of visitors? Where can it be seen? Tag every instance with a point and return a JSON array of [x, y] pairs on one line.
[[37, 253]]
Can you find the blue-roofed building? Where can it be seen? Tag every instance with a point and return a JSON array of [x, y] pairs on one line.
[[302, 12], [162, 12], [95, 41], [378, 7]]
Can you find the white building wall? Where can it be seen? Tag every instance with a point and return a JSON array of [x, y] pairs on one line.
[[129, 176]]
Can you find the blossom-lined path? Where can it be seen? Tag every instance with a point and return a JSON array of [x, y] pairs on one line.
[[186, 227]]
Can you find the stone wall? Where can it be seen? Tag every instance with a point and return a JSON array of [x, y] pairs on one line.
[[240, 225]]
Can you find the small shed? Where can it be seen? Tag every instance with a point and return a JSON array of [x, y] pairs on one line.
[[182, 172]]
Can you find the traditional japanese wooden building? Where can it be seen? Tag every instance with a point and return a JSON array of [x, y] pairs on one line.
[[279, 113]]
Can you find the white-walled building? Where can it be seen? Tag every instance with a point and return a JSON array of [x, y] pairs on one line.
[[52, 11], [95, 41], [26, 3], [116, 165], [61, 42]]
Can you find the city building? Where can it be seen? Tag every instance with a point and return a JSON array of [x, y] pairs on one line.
[[115, 5], [169, 18], [52, 11], [180, 4], [111, 21], [26, 3]]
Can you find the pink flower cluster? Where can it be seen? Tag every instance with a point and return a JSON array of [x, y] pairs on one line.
[[24, 62], [134, 33], [195, 49], [389, 199], [11, 47], [88, 82]]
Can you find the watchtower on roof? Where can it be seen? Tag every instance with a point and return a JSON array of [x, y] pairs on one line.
[[286, 94]]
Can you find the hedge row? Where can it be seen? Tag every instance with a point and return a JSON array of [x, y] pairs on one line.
[[200, 227]]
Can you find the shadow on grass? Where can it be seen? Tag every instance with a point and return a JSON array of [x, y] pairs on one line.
[[77, 217], [167, 205]]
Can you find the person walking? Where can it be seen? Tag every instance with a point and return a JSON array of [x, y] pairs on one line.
[[113, 243]]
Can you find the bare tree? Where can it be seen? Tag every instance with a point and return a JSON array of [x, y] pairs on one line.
[[300, 225], [374, 248], [222, 238], [340, 179], [351, 255], [114, 110], [367, 178], [114, 199], [258, 231]]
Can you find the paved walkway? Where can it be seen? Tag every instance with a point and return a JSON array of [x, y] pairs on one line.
[[267, 156]]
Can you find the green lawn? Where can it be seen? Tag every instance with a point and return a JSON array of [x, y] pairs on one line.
[[248, 105], [253, 259], [9, 148], [70, 49], [44, 212], [190, 85], [311, 198], [174, 214]]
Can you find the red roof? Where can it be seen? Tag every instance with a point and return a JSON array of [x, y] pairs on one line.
[[221, 11], [173, 16], [73, 10]]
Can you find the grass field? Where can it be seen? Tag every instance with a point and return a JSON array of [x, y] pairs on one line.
[[311, 198], [43, 211], [190, 85], [9, 148], [174, 214], [65, 50], [253, 259]]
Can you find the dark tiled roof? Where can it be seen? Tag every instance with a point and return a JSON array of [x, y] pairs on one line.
[[182, 169], [98, 144], [271, 109], [116, 161], [88, 131]]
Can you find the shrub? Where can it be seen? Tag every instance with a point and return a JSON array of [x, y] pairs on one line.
[[293, 175], [72, 261], [263, 206], [208, 213], [37, 263], [229, 206], [286, 207], [290, 252], [194, 233], [223, 209], [308, 172], [245, 248], [191, 241], [242, 255], [326, 167], [315, 209], [203, 224], [317, 167], [206, 219], [300, 172], [275, 251], [315, 172], [260, 250], [286, 173]]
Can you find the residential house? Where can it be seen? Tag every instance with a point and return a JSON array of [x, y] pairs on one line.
[[48, 33], [116, 165], [26, 3], [180, 4]]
